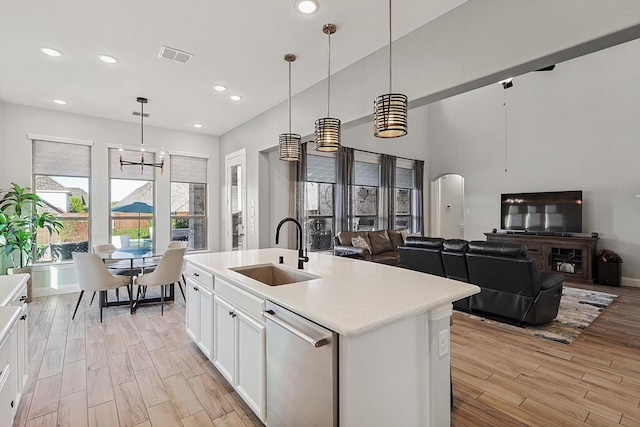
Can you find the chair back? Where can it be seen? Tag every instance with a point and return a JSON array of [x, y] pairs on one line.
[[121, 241], [423, 254], [177, 244], [169, 269], [454, 259], [104, 247], [92, 273]]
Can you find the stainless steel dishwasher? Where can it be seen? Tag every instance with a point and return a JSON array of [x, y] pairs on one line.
[[302, 371]]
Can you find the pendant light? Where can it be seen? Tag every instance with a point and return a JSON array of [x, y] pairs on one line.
[[289, 143], [390, 110], [142, 162], [327, 133]]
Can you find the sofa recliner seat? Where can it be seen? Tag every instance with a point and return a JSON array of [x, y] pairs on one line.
[[423, 254], [510, 283]]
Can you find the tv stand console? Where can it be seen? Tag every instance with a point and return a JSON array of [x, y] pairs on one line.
[[573, 256]]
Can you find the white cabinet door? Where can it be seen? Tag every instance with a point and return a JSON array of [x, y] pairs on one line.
[[206, 322], [250, 360], [193, 310], [22, 352], [7, 396], [224, 338]]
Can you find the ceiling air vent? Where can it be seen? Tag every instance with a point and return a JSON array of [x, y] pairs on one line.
[[174, 54]]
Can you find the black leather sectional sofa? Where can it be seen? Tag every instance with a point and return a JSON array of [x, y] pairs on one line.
[[511, 287]]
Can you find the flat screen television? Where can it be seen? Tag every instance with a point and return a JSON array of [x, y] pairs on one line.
[[547, 212]]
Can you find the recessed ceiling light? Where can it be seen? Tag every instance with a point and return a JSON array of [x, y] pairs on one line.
[[220, 88], [197, 125], [235, 97], [59, 101], [108, 59], [50, 51], [306, 6]]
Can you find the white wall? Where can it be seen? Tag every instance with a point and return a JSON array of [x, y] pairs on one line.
[[573, 128], [474, 44], [15, 162]]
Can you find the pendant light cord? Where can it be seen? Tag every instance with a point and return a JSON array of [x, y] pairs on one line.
[[289, 96], [329, 79], [390, 91], [141, 125]]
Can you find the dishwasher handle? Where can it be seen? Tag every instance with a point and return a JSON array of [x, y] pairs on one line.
[[271, 315]]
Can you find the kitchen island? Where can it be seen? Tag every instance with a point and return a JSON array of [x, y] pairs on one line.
[[392, 326]]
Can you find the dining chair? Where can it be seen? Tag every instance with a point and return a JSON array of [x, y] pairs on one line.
[[94, 276], [168, 272], [180, 244], [114, 266]]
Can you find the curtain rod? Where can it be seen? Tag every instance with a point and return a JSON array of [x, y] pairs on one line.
[[373, 152]]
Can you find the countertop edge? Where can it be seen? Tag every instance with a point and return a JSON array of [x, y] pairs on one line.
[[8, 317], [19, 280]]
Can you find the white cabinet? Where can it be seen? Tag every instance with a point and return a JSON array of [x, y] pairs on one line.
[[200, 315], [239, 343], [9, 397], [250, 361], [224, 338]]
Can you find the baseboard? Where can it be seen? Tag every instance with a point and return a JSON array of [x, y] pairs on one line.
[[631, 282], [46, 292]]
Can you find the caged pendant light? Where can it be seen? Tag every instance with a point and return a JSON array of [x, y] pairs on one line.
[[289, 143], [327, 133], [390, 110]]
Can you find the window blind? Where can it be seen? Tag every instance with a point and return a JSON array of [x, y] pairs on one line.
[[188, 169], [404, 178], [367, 174], [321, 169], [131, 171], [61, 159]]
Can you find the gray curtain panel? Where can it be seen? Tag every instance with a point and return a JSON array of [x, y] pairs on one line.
[[345, 178], [387, 190], [418, 197]]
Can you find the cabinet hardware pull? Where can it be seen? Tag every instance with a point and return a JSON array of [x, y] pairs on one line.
[[196, 274], [23, 317], [23, 298], [12, 403], [195, 289]]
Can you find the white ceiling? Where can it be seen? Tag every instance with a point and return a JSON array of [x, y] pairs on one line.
[[237, 43]]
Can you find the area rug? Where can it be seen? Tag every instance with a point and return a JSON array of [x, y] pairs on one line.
[[578, 308]]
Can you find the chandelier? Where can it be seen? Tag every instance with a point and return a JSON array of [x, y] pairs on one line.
[[142, 163]]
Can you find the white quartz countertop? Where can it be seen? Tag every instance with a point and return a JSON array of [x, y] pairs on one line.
[[9, 286], [351, 296]]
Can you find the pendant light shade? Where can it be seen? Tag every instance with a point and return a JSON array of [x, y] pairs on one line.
[[327, 134], [289, 143], [390, 110], [327, 130]]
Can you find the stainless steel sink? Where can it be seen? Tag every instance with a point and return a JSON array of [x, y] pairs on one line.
[[274, 275]]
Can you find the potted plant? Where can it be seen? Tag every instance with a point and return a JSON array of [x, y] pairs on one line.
[[19, 225]]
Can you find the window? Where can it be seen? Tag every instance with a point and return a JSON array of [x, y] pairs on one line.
[[189, 200], [319, 203], [404, 193], [131, 193], [61, 172], [365, 192]]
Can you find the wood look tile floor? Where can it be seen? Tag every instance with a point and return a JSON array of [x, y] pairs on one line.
[[143, 370], [131, 370]]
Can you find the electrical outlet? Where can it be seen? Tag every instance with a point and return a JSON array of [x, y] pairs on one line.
[[443, 343]]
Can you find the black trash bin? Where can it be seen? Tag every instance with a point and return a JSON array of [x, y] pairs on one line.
[[609, 268]]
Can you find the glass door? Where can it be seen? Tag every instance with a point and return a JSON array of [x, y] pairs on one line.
[[236, 201]]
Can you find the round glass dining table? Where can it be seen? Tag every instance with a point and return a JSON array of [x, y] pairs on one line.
[[133, 259]]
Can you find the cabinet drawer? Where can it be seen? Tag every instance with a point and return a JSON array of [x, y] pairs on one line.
[[201, 276], [250, 304]]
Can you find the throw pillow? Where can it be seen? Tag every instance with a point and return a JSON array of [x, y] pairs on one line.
[[360, 242], [404, 237]]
